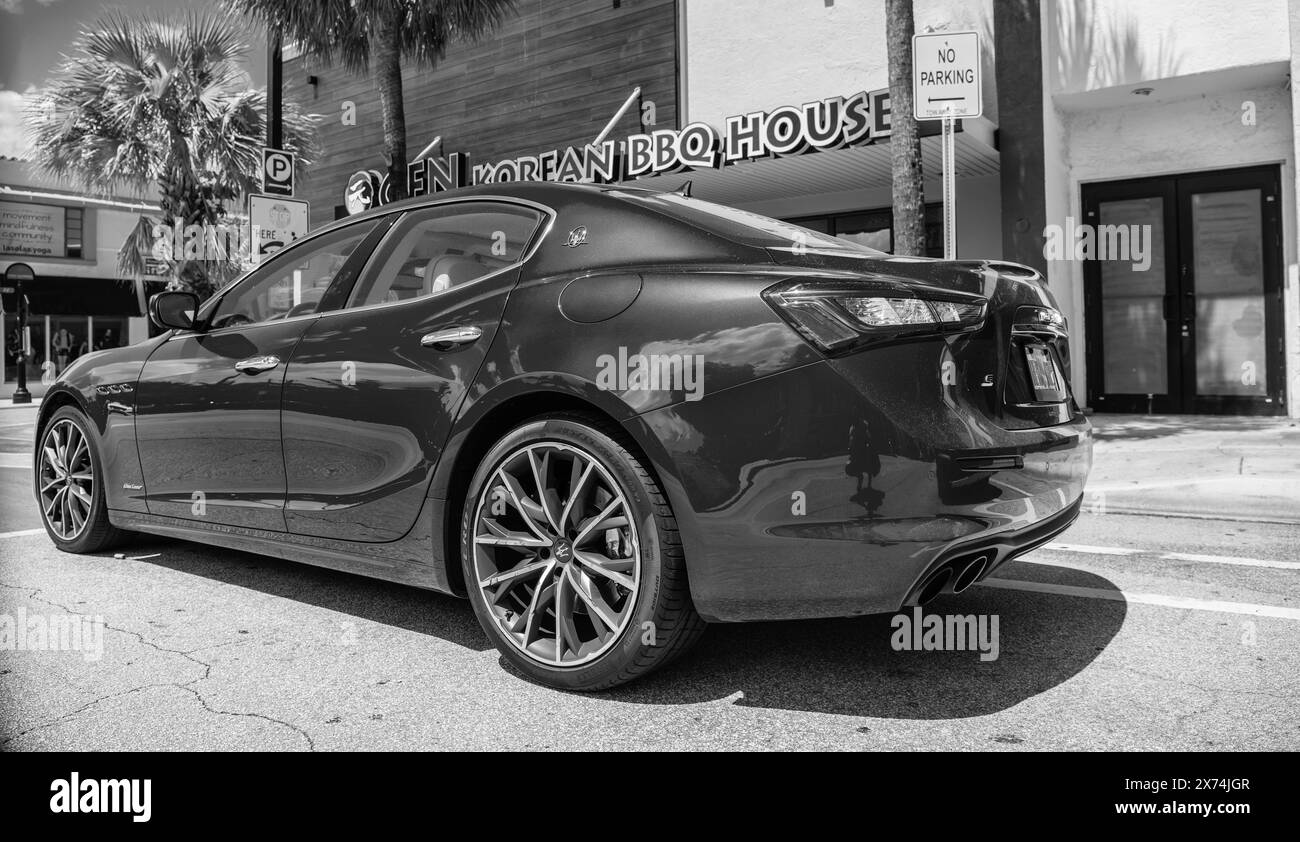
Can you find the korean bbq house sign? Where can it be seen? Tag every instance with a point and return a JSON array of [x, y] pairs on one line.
[[788, 130]]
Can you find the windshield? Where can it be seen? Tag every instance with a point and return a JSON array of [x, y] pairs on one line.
[[748, 228]]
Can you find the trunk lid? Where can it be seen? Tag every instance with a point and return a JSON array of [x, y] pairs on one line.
[[1016, 369]]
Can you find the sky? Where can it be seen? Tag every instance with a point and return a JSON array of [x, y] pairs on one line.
[[36, 34]]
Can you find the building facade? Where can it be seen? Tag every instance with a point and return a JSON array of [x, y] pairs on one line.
[[1141, 156], [78, 303]]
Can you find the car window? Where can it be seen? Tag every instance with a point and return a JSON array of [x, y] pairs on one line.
[[292, 283], [435, 249]]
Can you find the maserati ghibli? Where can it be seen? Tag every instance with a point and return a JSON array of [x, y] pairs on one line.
[[607, 416]]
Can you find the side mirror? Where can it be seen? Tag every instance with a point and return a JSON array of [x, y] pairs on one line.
[[174, 309]]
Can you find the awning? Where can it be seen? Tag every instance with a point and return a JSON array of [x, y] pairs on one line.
[[54, 295], [864, 167]]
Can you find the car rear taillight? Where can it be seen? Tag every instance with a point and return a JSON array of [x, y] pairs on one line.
[[839, 315]]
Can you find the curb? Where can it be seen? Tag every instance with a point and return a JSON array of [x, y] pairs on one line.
[[1120, 510]]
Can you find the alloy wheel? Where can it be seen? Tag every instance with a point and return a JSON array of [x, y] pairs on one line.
[[556, 553], [66, 479]]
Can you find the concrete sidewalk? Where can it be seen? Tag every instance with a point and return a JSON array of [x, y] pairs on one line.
[[1240, 468], [37, 388]]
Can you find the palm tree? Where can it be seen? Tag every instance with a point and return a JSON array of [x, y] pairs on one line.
[[150, 104], [904, 140], [360, 33]]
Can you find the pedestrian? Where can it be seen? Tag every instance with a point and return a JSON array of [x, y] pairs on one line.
[[62, 348]]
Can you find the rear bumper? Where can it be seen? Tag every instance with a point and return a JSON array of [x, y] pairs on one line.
[[835, 489]]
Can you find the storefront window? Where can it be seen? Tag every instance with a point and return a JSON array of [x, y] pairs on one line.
[[1135, 355], [109, 332], [1228, 262], [68, 340], [70, 337], [875, 228]]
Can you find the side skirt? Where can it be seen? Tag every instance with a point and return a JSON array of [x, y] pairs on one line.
[[415, 559]]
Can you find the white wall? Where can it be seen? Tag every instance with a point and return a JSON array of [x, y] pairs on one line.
[[104, 231], [1290, 217], [1056, 199], [758, 54], [105, 228], [1202, 133], [1095, 44]]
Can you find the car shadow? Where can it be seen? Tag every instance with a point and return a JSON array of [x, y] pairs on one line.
[[850, 667], [401, 606], [842, 666]]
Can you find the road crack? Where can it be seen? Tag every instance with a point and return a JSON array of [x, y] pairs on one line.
[[187, 686]]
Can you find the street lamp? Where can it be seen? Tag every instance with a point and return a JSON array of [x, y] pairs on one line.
[[17, 274]]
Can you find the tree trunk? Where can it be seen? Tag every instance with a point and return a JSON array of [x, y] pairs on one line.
[[387, 60], [904, 141]]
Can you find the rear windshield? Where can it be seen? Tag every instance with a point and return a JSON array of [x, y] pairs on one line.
[[744, 227]]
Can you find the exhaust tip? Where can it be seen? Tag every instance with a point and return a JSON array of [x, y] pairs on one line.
[[970, 573], [934, 585]]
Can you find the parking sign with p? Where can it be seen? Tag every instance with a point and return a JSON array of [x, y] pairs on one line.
[[277, 172]]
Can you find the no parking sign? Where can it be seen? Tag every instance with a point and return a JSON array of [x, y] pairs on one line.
[[277, 171]]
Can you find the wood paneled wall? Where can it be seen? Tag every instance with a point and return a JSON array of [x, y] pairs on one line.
[[551, 76]]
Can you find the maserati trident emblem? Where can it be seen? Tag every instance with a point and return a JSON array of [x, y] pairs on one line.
[[577, 237]]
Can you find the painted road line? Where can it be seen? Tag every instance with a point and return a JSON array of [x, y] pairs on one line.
[[1119, 488], [22, 533], [1200, 558], [1230, 559], [1090, 550], [1276, 520], [1247, 608]]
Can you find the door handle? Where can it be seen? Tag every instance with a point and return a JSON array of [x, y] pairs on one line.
[[445, 340], [256, 365]]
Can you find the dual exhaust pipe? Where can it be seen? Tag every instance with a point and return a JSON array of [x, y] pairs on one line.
[[954, 577]]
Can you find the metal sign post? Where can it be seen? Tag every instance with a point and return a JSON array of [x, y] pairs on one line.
[[618, 115], [946, 87], [17, 274], [949, 189]]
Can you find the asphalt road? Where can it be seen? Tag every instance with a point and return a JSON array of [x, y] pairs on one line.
[[1131, 632]]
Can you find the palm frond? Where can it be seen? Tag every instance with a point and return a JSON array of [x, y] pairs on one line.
[[165, 104], [341, 30], [141, 244]]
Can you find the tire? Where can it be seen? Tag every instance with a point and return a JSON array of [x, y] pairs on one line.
[[86, 513], [622, 588]]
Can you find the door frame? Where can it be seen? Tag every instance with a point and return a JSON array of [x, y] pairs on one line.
[[1176, 191], [1267, 179]]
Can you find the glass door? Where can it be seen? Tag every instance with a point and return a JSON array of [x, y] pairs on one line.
[[1232, 291], [1182, 290]]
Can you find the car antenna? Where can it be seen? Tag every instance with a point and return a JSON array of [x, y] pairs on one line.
[[685, 190]]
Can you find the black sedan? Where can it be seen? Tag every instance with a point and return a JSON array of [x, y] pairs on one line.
[[605, 415]]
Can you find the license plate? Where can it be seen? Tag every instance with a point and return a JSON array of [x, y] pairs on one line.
[[1042, 373]]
